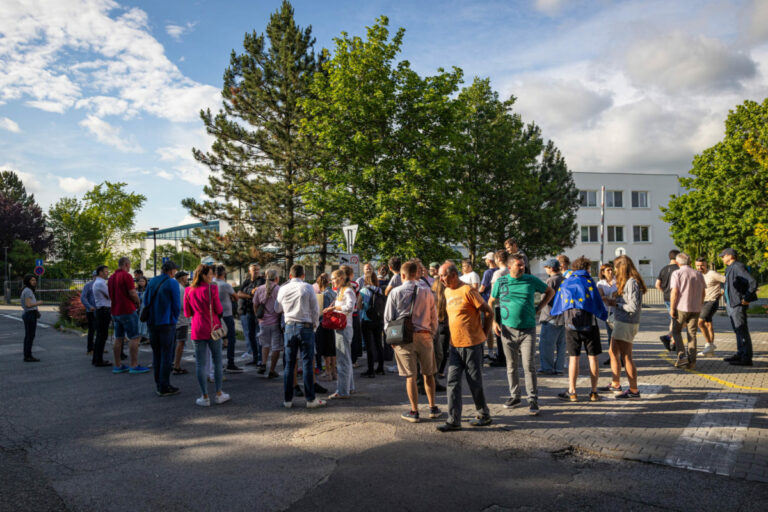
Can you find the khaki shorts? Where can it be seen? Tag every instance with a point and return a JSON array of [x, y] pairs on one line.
[[625, 332], [421, 351]]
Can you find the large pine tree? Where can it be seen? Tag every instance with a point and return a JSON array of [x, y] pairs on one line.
[[259, 161]]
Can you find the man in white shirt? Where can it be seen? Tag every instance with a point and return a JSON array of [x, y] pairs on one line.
[[296, 300], [469, 276], [103, 315], [713, 290]]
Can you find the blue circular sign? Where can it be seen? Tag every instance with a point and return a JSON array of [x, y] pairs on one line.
[[39, 271]]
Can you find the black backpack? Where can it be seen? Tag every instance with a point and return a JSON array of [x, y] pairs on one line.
[[579, 320], [376, 306]]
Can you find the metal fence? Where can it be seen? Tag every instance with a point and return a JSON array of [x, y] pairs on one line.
[[50, 291]]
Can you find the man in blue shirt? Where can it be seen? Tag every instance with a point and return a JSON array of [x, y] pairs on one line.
[[89, 301], [164, 302], [740, 289]]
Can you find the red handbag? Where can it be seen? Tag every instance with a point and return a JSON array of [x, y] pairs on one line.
[[334, 320]]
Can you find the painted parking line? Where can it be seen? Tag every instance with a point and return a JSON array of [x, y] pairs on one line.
[[712, 378], [712, 440], [40, 324]]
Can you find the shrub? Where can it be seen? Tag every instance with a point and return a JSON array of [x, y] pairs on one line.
[[72, 310]]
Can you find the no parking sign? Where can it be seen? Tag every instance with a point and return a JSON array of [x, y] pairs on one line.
[[353, 260]]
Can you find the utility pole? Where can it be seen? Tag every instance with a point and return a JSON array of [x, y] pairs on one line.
[[154, 250]]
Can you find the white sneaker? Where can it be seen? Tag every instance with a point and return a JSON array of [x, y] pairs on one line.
[[314, 404], [708, 351], [287, 405], [223, 397], [204, 402]]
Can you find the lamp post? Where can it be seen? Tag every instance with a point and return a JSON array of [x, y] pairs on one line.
[[154, 249]]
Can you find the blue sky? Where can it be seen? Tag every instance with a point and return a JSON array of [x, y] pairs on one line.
[[94, 90]]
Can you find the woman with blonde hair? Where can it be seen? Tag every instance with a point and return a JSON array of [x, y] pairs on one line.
[[344, 303], [270, 337], [202, 304], [628, 304]]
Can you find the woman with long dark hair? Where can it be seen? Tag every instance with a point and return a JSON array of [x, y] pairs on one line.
[[30, 315], [202, 304], [629, 303]]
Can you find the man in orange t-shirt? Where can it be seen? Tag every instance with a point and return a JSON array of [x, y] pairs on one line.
[[465, 309]]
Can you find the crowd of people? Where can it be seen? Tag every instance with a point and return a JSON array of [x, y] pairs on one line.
[[436, 322]]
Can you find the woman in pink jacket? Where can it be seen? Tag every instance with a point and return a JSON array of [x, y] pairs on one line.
[[202, 305]]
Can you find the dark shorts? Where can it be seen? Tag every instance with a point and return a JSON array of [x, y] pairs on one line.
[[708, 310], [590, 339], [181, 332]]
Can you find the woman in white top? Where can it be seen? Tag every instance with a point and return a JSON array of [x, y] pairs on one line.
[[607, 288], [344, 303], [30, 315]]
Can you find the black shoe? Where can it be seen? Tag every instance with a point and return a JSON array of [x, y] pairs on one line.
[[170, 390], [319, 388], [498, 364], [734, 357], [667, 341], [297, 391], [368, 374], [533, 407], [381, 371], [448, 427], [439, 387], [261, 371], [741, 362], [231, 368], [101, 364], [31, 359], [512, 403]]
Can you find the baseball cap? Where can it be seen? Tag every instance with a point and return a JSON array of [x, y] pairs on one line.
[[181, 273], [490, 256], [553, 264], [728, 252]]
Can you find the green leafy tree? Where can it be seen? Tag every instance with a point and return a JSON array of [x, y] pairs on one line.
[[385, 135], [115, 210], [184, 259], [259, 161], [77, 237], [21, 258], [726, 198]]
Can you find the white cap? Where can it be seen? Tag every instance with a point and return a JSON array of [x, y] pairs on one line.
[[490, 256]]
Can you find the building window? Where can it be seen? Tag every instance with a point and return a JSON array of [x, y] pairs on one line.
[[589, 234], [614, 199], [615, 233], [588, 198], [641, 233], [639, 199]]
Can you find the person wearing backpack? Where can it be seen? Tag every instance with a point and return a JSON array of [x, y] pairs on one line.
[[579, 301], [514, 294], [372, 316]]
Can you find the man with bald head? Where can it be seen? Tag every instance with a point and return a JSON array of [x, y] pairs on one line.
[[465, 309]]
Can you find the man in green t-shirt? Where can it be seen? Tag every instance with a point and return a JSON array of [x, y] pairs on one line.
[[515, 295]]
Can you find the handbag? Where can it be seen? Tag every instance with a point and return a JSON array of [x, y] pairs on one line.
[[216, 332], [260, 310], [334, 320], [400, 331], [144, 317]]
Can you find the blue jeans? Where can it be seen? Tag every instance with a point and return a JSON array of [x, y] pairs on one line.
[[551, 338], [200, 348], [126, 326], [468, 361], [298, 337], [229, 321], [738, 317], [251, 334], [162, 338], [346, 381]]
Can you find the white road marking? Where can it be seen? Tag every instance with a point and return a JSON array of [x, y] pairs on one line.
[[715, 435], [41, 324]]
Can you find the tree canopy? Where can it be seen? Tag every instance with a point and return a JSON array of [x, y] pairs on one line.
[[22, 218]]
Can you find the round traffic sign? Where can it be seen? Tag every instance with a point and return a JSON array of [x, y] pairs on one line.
[[39, 271]]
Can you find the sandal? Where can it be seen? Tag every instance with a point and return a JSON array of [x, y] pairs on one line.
[[179, 371]]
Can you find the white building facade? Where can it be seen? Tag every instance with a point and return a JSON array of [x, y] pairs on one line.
[[633, 224]]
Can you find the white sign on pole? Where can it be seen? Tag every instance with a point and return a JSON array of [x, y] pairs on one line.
[[350, 233], [620, 251], [353, 260]]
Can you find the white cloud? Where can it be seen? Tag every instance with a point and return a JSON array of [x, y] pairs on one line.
[[124, 70], [178, 154], [560, 104], [678, 62], [109, 135], [75, 185], [9, 124], [165, 175], [757, 17], [176, 31], [549, 7]]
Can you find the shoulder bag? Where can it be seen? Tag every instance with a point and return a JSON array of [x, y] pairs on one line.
[[400, 331], [216, 332]]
